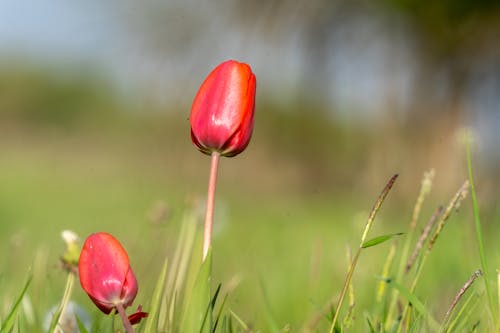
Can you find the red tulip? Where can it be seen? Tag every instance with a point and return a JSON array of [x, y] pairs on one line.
[[105, 272], [222, 115]]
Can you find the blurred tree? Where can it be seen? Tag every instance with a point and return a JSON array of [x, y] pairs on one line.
[[451, 39], [44, 97], [455, 38]]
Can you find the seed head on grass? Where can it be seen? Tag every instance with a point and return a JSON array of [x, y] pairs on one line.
[[423, 237], [453, 205], [461, 292]]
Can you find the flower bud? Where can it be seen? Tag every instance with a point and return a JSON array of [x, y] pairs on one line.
[[222, 115], [105, 272]]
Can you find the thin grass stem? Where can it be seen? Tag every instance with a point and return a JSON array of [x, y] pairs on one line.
[[479, 233], [385, 272], [67, 296], [466, 305], [423, 237], [461, 292]]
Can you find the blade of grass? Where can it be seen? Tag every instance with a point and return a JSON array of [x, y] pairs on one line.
[[176, 280], [479, 233], [8, 325], [219, 314], [209, 311], [56, 318], [370, 325], [80, 325], [241, 322], [155, 303], [379, 240], [194, 313], [415, 302]]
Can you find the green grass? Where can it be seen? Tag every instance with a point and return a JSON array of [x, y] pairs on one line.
[[279, 244]]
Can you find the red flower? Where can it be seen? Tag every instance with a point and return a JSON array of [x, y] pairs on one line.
[[105, 272], [222, 115]]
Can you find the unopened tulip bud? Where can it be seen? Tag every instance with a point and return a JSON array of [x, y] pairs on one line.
[[105, 272], [222, 115]]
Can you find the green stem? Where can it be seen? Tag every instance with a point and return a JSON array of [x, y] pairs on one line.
[[59, 314], [344, 289], [479, 233], [209, 216]]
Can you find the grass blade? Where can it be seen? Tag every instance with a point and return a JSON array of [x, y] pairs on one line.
[[200, 298], [56, 318], [81, 326], [209, 311], [241, 322], [379, 240], [479, 233], [155, 303], [415, 302], [8, 325], [219, 314]]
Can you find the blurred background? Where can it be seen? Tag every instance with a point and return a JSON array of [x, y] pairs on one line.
[[94, 135]]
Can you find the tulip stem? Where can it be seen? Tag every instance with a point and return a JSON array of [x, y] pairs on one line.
[[209, 216], [126, 322]]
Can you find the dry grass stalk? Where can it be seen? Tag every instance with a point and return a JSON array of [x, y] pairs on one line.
[[461, 292], [423, 237]]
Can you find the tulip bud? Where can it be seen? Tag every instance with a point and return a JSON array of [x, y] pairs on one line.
[[105, 272], [222, 115]]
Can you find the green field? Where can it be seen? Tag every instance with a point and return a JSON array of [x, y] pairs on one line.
[[283, 221]]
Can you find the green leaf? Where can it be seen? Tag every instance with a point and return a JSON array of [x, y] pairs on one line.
[[415, 302], [219, 314], [155, 303], [200, 299], [379, 240], [8, 325]]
